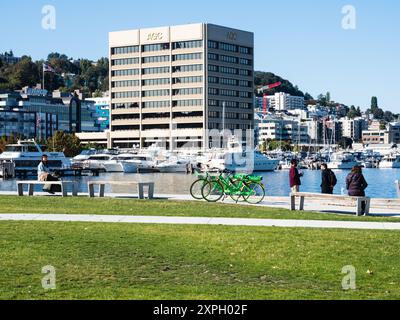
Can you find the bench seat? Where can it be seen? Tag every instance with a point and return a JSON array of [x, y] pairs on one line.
[[139, 185], [357, 202], [31, 184]]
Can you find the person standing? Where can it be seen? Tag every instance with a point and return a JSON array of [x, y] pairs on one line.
[[295, 177], [356, 185], [329, 180]]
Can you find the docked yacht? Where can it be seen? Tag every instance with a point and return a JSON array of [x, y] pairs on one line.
[[246, 162], [343, 161], [390, 162], [27, 154], [97, 161], [140, 163], [116, 163], [174, 166]]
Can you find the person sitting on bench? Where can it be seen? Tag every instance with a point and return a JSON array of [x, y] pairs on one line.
[[44, 174]]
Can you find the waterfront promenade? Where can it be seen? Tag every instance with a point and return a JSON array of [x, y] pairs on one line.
[[378, 207]]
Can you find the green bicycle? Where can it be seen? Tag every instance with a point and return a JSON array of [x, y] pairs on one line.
[[197, 186], [240, 186]]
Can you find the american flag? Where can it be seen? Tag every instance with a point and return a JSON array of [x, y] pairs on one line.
[[48, 68]]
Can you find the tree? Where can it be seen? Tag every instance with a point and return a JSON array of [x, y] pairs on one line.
[[328, 97], [352, 112], [23, 73], [266, 78], [374, 104], [65, 142]]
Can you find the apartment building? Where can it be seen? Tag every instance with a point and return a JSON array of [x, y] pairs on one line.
[[177, 83], [353, 128], [282, 101]]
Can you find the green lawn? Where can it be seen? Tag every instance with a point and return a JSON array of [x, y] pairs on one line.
[[122, 261], [83, 205]]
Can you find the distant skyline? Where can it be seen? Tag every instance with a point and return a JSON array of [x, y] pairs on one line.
[[302, 41]]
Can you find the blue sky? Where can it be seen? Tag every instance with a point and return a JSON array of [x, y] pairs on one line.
[[300, 40]]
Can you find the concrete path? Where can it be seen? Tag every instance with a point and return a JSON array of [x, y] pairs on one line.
[[202, 221]]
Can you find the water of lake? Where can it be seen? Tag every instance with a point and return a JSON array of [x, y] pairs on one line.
[[381, 182]]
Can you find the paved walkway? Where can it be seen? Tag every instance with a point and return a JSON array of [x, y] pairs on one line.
[[202, 221]]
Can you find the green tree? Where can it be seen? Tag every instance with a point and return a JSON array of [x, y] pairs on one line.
[[374, 104], [65, 142], [23, 73]]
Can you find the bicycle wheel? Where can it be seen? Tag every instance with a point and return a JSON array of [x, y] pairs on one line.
[[212, 191], [254, 193], [235, 192], [195, 189]]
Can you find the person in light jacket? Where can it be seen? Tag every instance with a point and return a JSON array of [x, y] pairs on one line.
[[44, 174]]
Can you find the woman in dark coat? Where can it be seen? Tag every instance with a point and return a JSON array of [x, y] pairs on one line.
[[356, 183], [327, 186]]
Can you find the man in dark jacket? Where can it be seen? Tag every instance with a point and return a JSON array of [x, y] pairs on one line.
[[328, 183], [295, 177]]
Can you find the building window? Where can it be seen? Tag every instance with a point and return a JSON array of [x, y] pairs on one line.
[[228, 70], [156, 104], [212, 56], [188, 103], [228, 59], [155, 47], [124, 106], [125, 73], [228, 82], [246, 62], [156, 70], [213, 68], [212, 44], [188, 68], [187, 91], [156, 82], [127, 83], [155, 93], [245, 94], [246, 73], [188, 44], [228, 47], [125, 95], [213, 91], [187, 80], [125, 50], [245, 50], [189, 56], [122, 62], [155, 59], [228, 93], [212, 79]]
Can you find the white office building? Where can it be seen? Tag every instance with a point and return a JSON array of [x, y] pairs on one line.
[[177, 83]]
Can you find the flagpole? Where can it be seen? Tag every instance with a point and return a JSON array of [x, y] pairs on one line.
[[43, 77]]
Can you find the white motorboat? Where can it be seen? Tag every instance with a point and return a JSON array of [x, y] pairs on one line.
[[116, 163], [97, 161], [343, 161], [139, 163], [27, 154], [243, 162], [174, 166], [390, 162]]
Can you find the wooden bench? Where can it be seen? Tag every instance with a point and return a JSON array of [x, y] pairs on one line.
[[352, 201], [140, 187], [33, 183]]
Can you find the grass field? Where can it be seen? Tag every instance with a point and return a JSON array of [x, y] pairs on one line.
[[108, 261], [107, 206]]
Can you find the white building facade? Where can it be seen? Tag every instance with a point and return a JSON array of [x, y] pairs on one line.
[[176, 83]]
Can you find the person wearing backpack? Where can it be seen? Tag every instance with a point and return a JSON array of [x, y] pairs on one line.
[[329, 180]]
